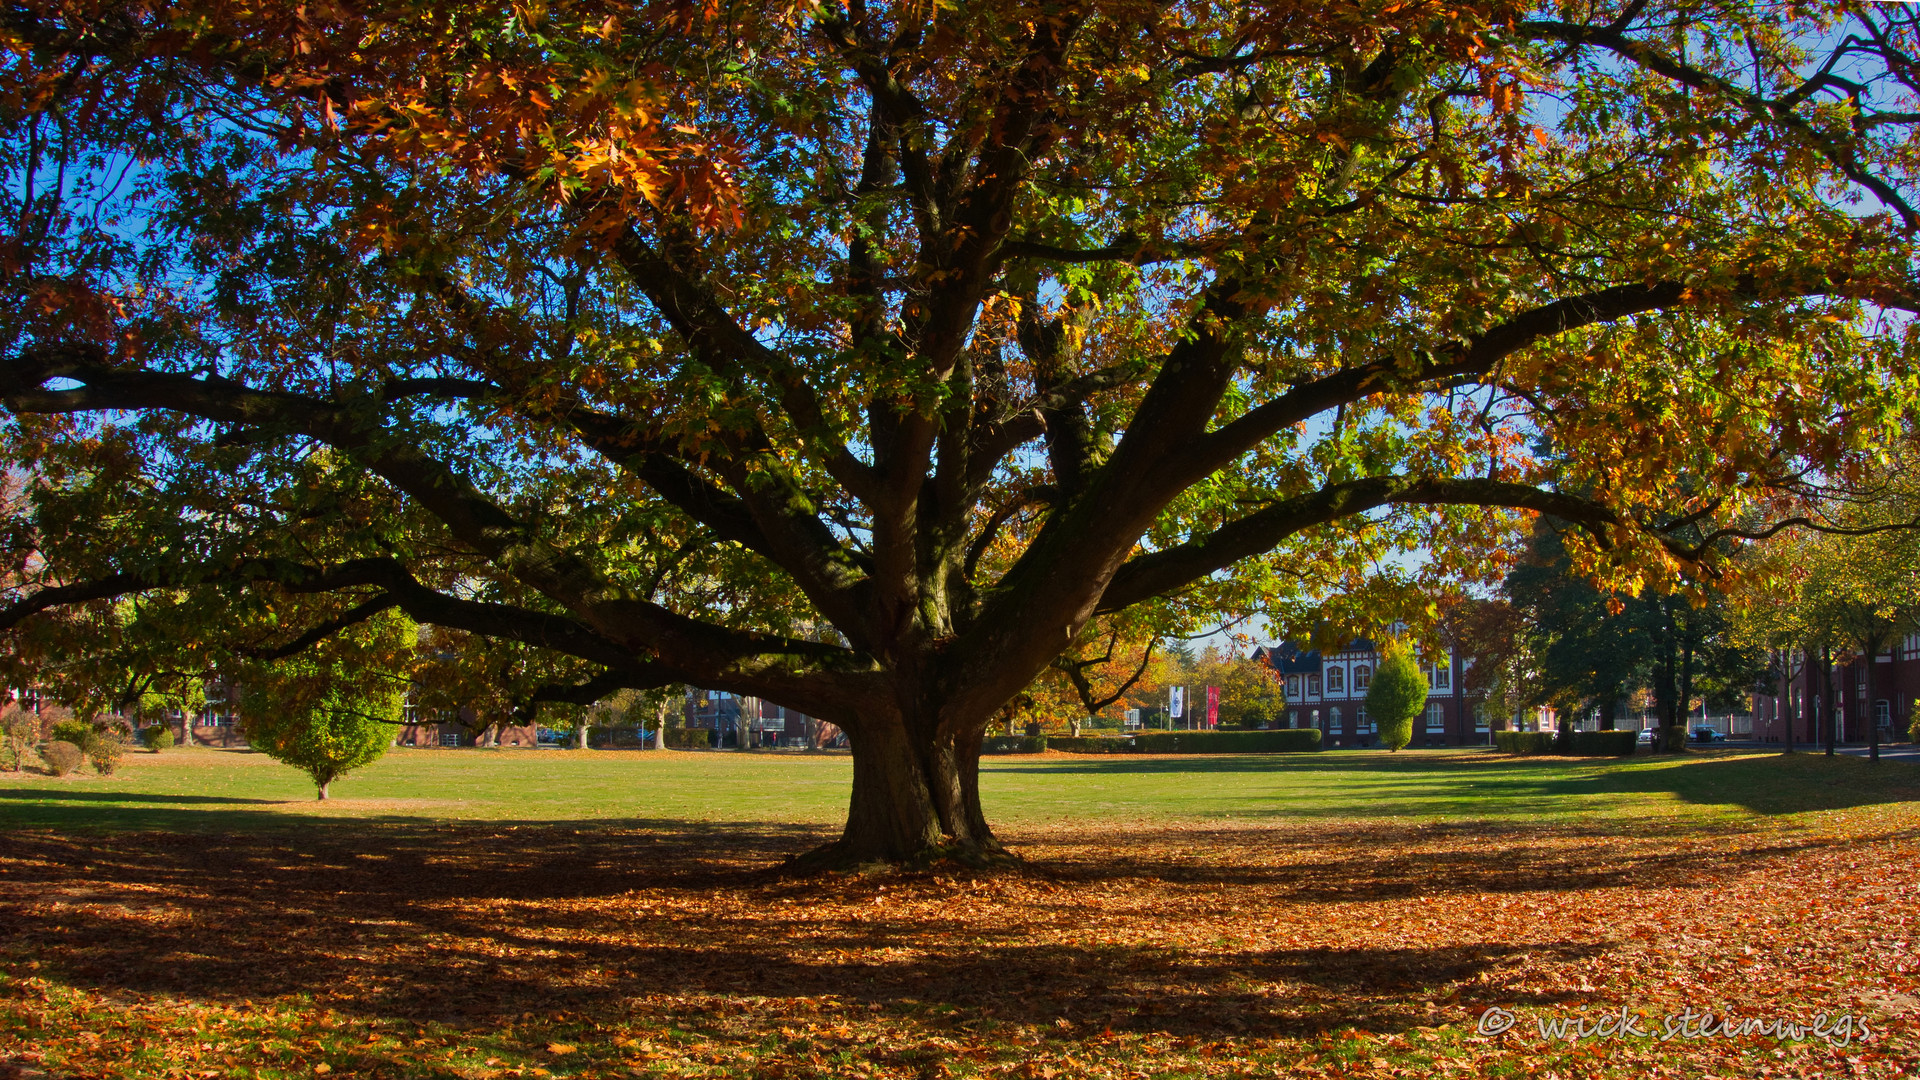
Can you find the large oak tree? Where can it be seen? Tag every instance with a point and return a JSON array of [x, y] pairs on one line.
[[861, 357]]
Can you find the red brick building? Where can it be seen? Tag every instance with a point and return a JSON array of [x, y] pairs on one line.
[[1330, 692], [1861, 694]]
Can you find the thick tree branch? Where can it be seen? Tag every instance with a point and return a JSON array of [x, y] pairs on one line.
[[105, 588], [354, 616], [637, 625], [725, 345], [1470, 358], [1150, 575]]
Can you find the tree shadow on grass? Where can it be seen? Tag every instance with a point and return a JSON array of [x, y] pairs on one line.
[[1481, 783], [68, 795], [471, 925], [1773, 784]]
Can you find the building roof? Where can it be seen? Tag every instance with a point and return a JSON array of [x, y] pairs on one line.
[[1288, 658]]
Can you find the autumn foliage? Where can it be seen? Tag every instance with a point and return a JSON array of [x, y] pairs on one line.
[[879, 360]]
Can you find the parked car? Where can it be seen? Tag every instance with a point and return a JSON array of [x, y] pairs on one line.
[[1707, 734], [1646, 737]]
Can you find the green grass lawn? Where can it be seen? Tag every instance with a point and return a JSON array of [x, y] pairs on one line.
[[200, 789], [587, 915]]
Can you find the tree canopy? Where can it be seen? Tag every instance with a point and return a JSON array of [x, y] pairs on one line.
[[868, 358]]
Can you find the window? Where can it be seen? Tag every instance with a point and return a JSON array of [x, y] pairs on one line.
[[449, 738], [1316, 718], [1360, 721], [1333, 719], [1436, 718], [1443, 676], [1480, 717], [1336, 681], [1362, 676], [1313, 686], [1883, 713], [1293, 686], [1293, 717]]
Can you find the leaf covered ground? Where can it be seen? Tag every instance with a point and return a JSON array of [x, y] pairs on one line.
[[1318, 945]]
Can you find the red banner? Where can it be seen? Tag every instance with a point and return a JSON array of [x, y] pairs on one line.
[[1213, 706]]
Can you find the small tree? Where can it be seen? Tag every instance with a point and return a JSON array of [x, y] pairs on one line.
[[105, 749], [325, 732], [17, 729], [1396, 696], [156, 737], [334, 709]]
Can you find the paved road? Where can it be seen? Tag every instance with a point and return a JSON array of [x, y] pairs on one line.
[[1896, 752], [1901, 752]]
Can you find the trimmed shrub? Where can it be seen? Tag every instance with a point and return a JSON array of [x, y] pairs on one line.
[[1913, 721], [1605, 743], [1397, 695], [76, 732], [1524, 742], [105, 750], [1282, 741], [62, 757], [157, 737], [684, 738], [1013, 744], [1090, 744]]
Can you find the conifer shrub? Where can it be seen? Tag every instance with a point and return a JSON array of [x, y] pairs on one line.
[[1397, 695]]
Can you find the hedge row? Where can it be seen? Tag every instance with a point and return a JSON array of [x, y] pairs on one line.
[[1013, 744], [1091, 744], [1523, 742], [1281, 741], [1575, 743], [689, 738], [1605, 743]]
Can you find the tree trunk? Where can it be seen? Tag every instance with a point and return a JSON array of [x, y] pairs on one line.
[[915, 801], [323, 796], [1686, 686], [580, 734], [1609, 712], [1873, 714], [1786, 710], [1832, 701], [743, 725]]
